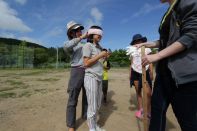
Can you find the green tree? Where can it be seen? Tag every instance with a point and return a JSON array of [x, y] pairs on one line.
[[40, 56], [119, 58], [21, 53], [52, 55], [64, 56], [3, 54]]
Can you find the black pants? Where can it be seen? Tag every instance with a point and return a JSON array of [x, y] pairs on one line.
[[76, 83], [105, 87], [183, 99]]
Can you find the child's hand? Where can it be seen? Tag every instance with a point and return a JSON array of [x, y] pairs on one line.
[[108, 54], [103, 54], [130, 50], [84, 36]]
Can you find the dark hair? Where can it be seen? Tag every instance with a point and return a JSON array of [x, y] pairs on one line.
[[90, 37], [104, 49], [70, 37], [73, 31]]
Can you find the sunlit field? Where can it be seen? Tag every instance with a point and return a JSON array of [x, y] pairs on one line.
[[35, 100]]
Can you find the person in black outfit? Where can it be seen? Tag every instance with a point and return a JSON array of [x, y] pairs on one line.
[[176, 73]]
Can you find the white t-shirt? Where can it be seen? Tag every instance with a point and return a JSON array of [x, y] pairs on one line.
[[137, 63]]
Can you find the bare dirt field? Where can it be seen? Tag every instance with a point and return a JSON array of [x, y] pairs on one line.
[[35, 100]]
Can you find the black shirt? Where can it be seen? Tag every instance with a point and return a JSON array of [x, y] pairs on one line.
[[164, 29]]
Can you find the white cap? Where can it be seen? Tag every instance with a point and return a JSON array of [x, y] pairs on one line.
[[73, 25]]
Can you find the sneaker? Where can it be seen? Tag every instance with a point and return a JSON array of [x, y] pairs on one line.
[[99, 129], [139, 114], [92, 129]]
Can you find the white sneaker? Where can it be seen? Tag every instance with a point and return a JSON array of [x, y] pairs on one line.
[[99, 129], [92, 129]]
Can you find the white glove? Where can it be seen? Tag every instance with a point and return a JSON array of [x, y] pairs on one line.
[[130, 50]]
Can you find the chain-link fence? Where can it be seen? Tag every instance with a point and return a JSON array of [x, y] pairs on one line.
[[16, 56], [19, 54]]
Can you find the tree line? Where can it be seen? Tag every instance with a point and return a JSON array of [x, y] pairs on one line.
[[21, 54]]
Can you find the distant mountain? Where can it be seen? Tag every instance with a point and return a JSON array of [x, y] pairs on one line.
[[11, 41]]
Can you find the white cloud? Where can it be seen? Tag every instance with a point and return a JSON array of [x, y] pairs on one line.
[[56, 31], [7, 35], [96, 19], [22, 2], [87, 4], [96, 14], [147, 8], [9, 19], [38, 16], [89, 23], [28, 39]]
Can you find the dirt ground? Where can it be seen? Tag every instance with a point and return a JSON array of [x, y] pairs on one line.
[[35, 100]]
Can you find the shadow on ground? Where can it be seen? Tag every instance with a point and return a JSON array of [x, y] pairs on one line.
[[169, 125], [107, 109], [133, 107], [79, 122], [132, 102]]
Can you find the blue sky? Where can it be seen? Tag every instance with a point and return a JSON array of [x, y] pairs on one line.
[[44, 21]]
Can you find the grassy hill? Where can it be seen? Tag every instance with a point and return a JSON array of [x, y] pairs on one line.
[[10, 41]]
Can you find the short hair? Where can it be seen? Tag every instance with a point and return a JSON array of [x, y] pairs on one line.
[[104, 49]]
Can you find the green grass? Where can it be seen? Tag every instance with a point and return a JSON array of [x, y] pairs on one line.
[[8, 88], [13, 82], [29, 72], [14, 85], [43, 91], [41, 71], [14, 95], [23, 72], [48, 79], [34, 73], [25, 93], [7, 95]]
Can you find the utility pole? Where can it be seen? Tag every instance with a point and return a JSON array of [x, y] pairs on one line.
[[57, 59], [23, 55]]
